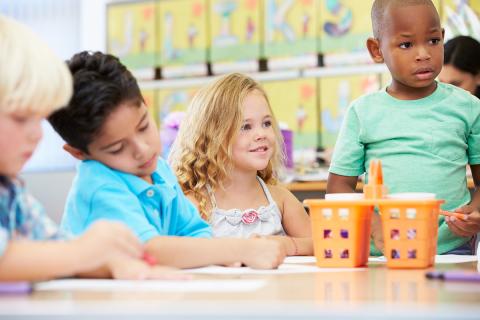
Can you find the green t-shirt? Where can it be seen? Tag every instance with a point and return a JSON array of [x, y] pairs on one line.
[[424, 146]]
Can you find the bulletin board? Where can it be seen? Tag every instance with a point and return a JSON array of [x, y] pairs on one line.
[[290, 28], [234, 30], [131, 33], [294, 103], [183, 37], [336, 94], [344, 25]]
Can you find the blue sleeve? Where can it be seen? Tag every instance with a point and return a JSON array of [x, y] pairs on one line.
[[189, 223], [112, 202], [186, 220]]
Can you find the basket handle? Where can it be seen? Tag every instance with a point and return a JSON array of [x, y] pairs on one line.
[[375, 175], [375, 189]]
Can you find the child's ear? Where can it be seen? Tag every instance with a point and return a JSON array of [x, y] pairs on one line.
[[373, 46], [477, 80], [76, 153]]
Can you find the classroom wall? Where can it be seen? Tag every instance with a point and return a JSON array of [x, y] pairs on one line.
[[68, 26]]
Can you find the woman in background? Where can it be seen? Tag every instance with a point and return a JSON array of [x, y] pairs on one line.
[[462, 64]]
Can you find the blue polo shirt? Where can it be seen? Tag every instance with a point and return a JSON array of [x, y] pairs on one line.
[[99, 192]]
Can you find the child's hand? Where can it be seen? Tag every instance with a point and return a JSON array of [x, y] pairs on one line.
[[263, 253], [377, 233], [124, 267], [105, 239], [466, 228]]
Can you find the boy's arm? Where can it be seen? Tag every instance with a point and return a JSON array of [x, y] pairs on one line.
[[36, 261], [41, 260], [188, 252], [341, 184], [106, 250]]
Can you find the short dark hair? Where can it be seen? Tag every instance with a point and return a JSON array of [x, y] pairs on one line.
[[463, 52], [100, 85], [380, 6]]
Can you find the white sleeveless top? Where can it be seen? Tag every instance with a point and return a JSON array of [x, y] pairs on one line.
[[264, 221]]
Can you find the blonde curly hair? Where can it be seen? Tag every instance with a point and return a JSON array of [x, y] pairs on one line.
[[202, 152]]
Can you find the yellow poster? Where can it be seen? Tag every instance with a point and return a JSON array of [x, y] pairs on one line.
[[290, 28], [294, 103], [344, 25], [131, 33], [336, 94], [234, 30], [183, 32]]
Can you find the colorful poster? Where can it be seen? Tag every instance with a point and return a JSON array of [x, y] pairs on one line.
[[344, 25], [461, 17], [294, 103], [336, 94], [171, 105], [183, 32], [131, 33], [234, 30], [290, 28]]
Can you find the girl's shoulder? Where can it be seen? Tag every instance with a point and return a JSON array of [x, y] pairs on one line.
[[279, 193]]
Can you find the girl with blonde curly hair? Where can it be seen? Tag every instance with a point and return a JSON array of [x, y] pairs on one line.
[[227, 156]]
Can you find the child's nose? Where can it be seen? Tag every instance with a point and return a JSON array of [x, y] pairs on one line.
[[423, 54], [140, 147], [260, 134]]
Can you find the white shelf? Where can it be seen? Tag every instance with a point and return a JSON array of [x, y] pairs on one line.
[[343, 71], [270, 76]]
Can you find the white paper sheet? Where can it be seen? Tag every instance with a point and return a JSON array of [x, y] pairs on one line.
[[441, 259], [300, 259], [242, 285], [282, 269], [453, 258]]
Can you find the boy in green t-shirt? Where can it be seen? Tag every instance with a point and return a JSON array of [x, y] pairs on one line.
[[424, 132]]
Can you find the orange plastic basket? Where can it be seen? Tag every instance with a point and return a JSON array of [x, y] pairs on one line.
[[341, 228], [340, 231], [410, 230]]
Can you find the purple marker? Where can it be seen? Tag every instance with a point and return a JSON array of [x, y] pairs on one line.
[[15, 287], [454, 276]]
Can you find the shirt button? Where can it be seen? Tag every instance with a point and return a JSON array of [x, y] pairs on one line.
[[150, 193]]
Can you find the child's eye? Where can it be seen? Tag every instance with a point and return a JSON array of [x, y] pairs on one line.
[[117, 151], [435, 41], [405, 45], [267, 124], [145, 127], [245, 127], [20, 119]]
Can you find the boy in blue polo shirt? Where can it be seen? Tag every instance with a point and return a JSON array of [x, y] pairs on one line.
[[425, 132], [121, 177]]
